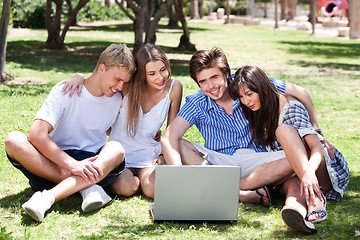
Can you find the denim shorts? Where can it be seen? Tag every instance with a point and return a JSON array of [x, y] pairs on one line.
[[38, 183]]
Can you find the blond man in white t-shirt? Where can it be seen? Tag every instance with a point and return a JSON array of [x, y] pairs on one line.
[[66, 150]]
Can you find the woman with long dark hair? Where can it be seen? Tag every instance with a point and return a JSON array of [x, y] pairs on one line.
[[280, 122]]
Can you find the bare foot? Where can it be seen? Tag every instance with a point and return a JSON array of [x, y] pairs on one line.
[[317, 210], [251, 196]]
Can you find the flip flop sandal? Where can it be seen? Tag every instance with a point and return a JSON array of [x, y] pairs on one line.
[[262, 196], [323, 214], [294, 220]]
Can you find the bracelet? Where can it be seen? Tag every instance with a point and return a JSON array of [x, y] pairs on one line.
[[319, 131]]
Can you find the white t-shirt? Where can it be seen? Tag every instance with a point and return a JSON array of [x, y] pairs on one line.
[[79, 122]]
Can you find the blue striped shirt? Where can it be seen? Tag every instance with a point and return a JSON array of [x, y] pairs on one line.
[[222, 132]]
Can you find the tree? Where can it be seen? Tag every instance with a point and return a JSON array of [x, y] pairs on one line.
[[56, 38], [185, 44], [313, 15], [140, 20], [288, 9], [194, 9], [146, 21], [4, 22]]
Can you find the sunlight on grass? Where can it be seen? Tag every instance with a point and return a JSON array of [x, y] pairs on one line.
[[328, 68]]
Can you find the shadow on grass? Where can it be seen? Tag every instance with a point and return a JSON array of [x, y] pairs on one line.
[[128, 27], [83, 57], [330, 65], [329, 50], [29, 55]]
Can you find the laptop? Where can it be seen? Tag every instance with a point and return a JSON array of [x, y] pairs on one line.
[[196, 193]]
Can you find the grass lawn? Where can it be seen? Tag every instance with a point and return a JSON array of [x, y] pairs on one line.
[[328, 68]]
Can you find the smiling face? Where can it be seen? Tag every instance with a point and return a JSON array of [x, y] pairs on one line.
[[156, 74], [113, 79], [249, 98], [212, 83]]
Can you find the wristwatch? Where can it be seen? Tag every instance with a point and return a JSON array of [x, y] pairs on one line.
[[319, 131]]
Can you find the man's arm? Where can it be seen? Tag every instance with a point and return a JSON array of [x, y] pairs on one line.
[[40, 139], [170, 141], [304, 97]]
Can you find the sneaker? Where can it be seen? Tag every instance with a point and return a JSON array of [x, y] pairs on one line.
[[38, 204], [294, 220], [94, 197]]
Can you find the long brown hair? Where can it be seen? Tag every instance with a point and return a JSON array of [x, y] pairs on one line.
[[263, 122], [146, 53]]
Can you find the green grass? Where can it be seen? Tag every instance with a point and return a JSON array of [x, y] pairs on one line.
[[328, 68]]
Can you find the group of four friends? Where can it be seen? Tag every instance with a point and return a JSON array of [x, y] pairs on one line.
[[266, 126]]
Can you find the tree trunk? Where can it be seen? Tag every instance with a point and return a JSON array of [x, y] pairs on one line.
[[292, 9], [201, 8], [72, 18], [107, 3], [313, 15], [55, 40], [265, 8], [69, 3], [53, 25], [173, 21], [283, 6], [185, 44], [4, 23], [194, 9], [276, 14], [151, 33]]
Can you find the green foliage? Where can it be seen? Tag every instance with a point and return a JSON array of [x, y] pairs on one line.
[[28, 13], [5, 235], [95, 11]]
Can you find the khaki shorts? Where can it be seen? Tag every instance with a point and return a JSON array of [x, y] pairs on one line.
[[246, 158]]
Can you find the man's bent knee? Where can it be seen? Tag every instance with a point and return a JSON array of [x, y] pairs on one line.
[[14, 141]]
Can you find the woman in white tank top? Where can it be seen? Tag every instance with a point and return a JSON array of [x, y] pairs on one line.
[[148, 99]]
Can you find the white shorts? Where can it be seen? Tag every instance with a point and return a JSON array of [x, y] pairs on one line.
[[246, 158]]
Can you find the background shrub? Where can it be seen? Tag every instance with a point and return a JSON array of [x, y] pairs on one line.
[[28, 13]]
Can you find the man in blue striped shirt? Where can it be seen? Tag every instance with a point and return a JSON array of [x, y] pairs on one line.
[[225, 130]]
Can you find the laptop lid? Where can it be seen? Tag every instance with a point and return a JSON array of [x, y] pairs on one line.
[[196, 192]]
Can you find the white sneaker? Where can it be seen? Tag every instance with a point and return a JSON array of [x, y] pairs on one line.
[[94, 197], [38, 204]]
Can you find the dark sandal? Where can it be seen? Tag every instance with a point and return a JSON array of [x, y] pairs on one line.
[[262, 196], [323, 214]]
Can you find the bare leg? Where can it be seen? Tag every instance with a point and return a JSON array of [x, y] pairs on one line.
[[291, 190], [250, 196], [190, 155], [21, 150], [323, 177], [147, 181], [272, 173], [110, 156], [127, 184]]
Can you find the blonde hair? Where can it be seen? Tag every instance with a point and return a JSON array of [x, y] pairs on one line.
[[117, 55], [146, 53]]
